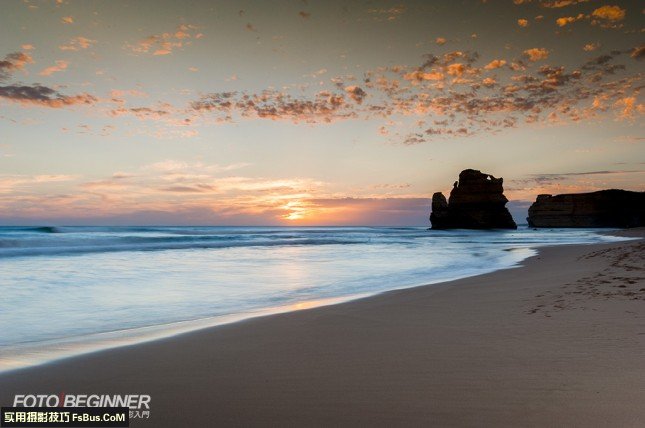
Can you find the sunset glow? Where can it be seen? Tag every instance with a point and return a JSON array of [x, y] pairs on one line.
[[332, 113]]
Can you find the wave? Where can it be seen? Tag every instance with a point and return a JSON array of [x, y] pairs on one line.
[[33, 229], [162, 244]]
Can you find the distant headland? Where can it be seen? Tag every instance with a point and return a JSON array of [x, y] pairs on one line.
[[605, 208]]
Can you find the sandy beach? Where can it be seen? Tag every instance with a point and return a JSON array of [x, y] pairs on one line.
[[558, 341]]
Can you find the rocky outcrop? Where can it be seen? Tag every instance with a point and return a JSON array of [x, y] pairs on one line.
[[605, 208], [476, 201]]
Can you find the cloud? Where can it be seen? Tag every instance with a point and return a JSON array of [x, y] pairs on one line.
[[325, 106], [638, 52], [387, 14], [536, 54], [449, 95], [528, 187], [36, 95], [563, 175], [607, 16], [181, 189], [9, 182], [13, 62], [523, 22], [629, 107], [552, 4], [304, 15], [590, 47], [28, 47], [440, 41], [418, 75], [314, 75], [143, 113], [60, 66], [561, 3], [356, 93], [67, 20], [565, 20], [77, 44], [43, 96], [165, 43], [167, 184], [120, 93], [610, 13], [496, 63]]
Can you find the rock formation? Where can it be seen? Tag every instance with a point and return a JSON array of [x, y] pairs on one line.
[[476, 201], [605, 208]]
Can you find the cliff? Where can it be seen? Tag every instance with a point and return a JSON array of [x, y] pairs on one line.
[[605, 208], [476, 201]]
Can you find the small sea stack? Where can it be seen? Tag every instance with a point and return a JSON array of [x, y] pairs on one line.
[[476, 201]]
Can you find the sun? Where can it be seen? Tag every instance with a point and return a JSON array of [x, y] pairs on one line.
[[296, 211], [295, 215]]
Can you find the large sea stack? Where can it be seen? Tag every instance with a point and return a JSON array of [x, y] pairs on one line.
[[476, 201], [605, 208]]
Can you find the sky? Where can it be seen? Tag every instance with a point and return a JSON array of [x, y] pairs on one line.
[[307, 112]]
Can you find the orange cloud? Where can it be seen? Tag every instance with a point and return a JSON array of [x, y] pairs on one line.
[[523, 22], [325, 106], [388, 14], [60, 66], [77, 44], [638, 52], [469, 102], [9, 183], [456, 69], [12, 62], [496, 63], [120, 93], [568, 20], [590, 47], [165, 43], [629, 107], [489, 81], [420, 75], [143, 113], [552, 4], [356, 93], [610, 13], [67, 20], [536, 54], [561, 3]]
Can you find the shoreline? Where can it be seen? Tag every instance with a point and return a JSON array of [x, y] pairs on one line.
[[33, 354], [28, 355], [388, 358]]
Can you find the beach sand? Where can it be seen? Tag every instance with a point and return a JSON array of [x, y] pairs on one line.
[[559, 341]]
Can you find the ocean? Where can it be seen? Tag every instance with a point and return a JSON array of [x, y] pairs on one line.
[[68, 290]]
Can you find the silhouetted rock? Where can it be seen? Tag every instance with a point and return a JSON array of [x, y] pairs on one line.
[[605, 208], [476, 201]]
